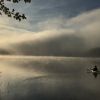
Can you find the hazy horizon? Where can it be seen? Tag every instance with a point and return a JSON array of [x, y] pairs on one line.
[[52, 28], [53, 54]]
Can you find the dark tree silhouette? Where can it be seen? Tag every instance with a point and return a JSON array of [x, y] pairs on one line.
[[12, 13]]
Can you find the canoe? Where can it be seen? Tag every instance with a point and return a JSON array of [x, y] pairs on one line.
[[92, 71]]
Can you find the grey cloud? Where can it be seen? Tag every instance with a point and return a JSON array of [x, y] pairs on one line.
[[42, 10], [58, 37], [67, 8], [69, 45]]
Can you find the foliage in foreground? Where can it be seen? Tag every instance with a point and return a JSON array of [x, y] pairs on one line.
[[12, 13]]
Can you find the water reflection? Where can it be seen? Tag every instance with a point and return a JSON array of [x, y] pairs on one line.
[[95, 75], [48, 79]]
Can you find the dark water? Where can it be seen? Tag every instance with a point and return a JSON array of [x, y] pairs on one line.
[[48, 78]]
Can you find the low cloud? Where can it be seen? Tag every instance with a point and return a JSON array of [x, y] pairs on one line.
[[57, 37]]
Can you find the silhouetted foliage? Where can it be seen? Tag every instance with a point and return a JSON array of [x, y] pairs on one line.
[[12, 13]]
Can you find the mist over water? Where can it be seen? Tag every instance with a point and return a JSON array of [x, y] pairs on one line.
[[48, 78], [45, 51]]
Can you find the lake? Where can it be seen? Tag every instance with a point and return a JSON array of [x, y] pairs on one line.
[[48, 78]]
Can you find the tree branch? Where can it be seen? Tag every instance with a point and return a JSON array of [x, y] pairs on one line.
[[12, 13]]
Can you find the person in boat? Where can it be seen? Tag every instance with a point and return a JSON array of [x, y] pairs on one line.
[[95, 68]]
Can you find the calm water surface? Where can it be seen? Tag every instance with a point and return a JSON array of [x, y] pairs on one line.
[[48, 78]]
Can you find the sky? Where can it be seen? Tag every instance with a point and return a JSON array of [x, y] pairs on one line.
[[52, 28]]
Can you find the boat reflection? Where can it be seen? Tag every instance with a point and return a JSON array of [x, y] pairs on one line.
[[95, 75]]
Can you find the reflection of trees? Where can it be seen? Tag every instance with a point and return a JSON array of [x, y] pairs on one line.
[[12, 13]]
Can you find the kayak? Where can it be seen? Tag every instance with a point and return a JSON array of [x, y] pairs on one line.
[[92, 71]]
